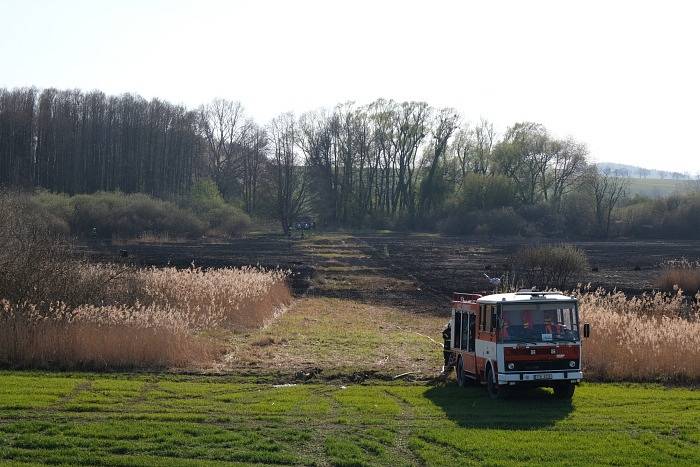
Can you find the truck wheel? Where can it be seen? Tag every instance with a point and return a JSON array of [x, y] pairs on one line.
[[461, 377], [492, 387], [564, 391]]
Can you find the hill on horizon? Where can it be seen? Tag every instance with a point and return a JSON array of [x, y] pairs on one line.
[[634, 171]]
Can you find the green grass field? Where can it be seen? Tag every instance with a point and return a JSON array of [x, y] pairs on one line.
[[657, 187], [169, 420]]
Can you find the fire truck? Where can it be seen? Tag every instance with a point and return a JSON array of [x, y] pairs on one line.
[[510, 340]]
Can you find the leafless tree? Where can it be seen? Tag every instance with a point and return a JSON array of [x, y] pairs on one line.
[[607, 192], [565, 171], [223, 127], [289, 171]]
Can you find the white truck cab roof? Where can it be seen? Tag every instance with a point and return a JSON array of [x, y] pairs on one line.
[[526, 296]]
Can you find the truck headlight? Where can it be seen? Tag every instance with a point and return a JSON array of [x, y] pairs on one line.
[[511, 366], [572, 363]]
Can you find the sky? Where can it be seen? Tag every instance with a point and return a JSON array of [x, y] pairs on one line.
[[623, 77]]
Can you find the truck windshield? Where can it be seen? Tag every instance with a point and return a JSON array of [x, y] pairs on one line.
[[539, 322]]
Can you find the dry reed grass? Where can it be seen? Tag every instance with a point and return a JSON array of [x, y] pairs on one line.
[[162, 320], [236, 298], [680, 274], [56, 312], [652, 337]]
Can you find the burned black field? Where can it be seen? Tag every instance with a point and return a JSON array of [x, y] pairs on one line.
[[432, 266]]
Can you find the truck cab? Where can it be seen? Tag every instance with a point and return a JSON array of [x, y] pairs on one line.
[[520, 339]]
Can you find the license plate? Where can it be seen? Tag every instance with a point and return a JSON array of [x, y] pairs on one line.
[[547, 376]]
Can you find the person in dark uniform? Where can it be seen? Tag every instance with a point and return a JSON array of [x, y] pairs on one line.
[[447, 344]]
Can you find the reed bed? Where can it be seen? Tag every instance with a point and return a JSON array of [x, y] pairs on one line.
[[654, 337], [680, 274], [241, 298], [144, 318]]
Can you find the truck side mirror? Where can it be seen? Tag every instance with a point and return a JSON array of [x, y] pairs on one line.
[[586, 330], [497, 323]]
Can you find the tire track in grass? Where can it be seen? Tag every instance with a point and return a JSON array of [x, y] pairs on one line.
[[405, 429], [316, 446], [148, 385], [83, 386]]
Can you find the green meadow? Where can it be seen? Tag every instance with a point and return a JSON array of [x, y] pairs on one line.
[[122, 419]]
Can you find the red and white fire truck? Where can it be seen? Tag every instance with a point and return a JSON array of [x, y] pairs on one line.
[[527, 338]]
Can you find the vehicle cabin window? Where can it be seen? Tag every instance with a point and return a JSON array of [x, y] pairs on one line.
[[492, 319], [466, 318], [540, 322], [458, 330]]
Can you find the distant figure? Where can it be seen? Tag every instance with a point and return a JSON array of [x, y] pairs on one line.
[[447, 345], [494, 281]]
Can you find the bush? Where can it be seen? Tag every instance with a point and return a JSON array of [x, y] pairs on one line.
[[229, 220], [503, 221], [205, 196], [484, 192], [55, 209], [550, 266], [121, 215], [223, 218], [38, 266], [30, 253], [676, 216]]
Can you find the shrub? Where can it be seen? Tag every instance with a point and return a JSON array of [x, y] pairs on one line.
[[229, 220], [550, 266], [120, 215], [222, 218], [484, 192], [503, 221], [55, 209], [680, 274], [31, 254], [675, 216]]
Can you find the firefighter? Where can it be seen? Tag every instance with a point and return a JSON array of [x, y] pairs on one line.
[[551, 324], [447, 344], [505, 328]]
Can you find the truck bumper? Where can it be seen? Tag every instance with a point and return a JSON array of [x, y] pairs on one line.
[[514, 378]]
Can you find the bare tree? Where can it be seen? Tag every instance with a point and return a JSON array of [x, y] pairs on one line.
[[223, 127], [289, 171], [607, 191], [566, 169]]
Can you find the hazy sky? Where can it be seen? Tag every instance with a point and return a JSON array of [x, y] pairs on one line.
[[624, 77]]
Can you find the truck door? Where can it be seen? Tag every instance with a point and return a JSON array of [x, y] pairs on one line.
[[469, 341]]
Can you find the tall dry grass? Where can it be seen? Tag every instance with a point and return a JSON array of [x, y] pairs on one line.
[[58, 312], [651, 337], [144, 318], [97, 338], [235, 298], [682, 273]]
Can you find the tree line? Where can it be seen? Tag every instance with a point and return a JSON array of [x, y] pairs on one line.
[[75, 142], [387, 163]]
